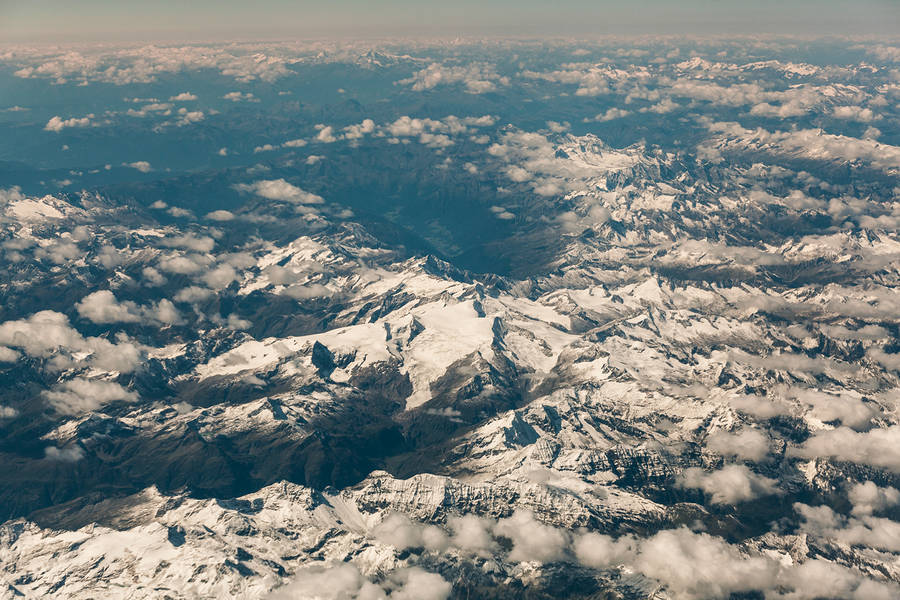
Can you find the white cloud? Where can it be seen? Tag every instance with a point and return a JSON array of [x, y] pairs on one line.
[[190, 264], [220, 277], [220, 215], [611, 114], [47, 334], [102, 307], [192, 294], [279, 189], [83, 395], [472, 534], [141, 165], [326, 135], [854, 113], [399, 531], [731, 484], [602, 552], [876, 447], [189, 241], [532, 540], [57, 124], [812, 144], [343, 581], [8, 355], [240, 96], [354, 132], [864, 530], [867, 498], [700, 566], [70, 454], [183, 97], [477, 78], [746, 444]]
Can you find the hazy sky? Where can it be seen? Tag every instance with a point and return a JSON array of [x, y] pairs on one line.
[[49, 20]]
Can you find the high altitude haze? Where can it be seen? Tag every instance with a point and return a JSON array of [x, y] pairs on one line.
[[60, 20]]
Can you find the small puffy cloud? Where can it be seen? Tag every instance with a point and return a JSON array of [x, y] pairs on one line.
[[731, 484], [600, 551], [102, 307], [70, 454], [189, 241], [876, 447], [417, 584], [868, 498], [219, 277], [178, 212], [141, 165], [189, 264], [186, 117], [264, 148], [532, 540], [400, 532], [298, 143], [59, 252], [863, 530], [326, 135], [183, 97], [152, 277], [697, 565], [279, 189], [854, 113], [47, 334], [57, 124], [611, 114], [220, 215], [354, 132], [192, 294], [747, 444], [84, 395], [478, 78], [8, 355], [307, 291], [761, 407], [343, 581], [472, 534], [240, 96]]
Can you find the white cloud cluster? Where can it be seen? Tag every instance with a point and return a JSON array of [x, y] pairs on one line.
[[868, 498], [477, 78], [731, 484], [878, 447], [746, 444], [102, 307], [70, 454], [140, 165], [84, 395], [48, 335], [862, 529], [240, 97], [812, 144], [57, 124], [123, 65], [343, 581], [689, 565], [279, 189]]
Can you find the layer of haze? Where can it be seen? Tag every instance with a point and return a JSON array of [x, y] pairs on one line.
[[125, 20]]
